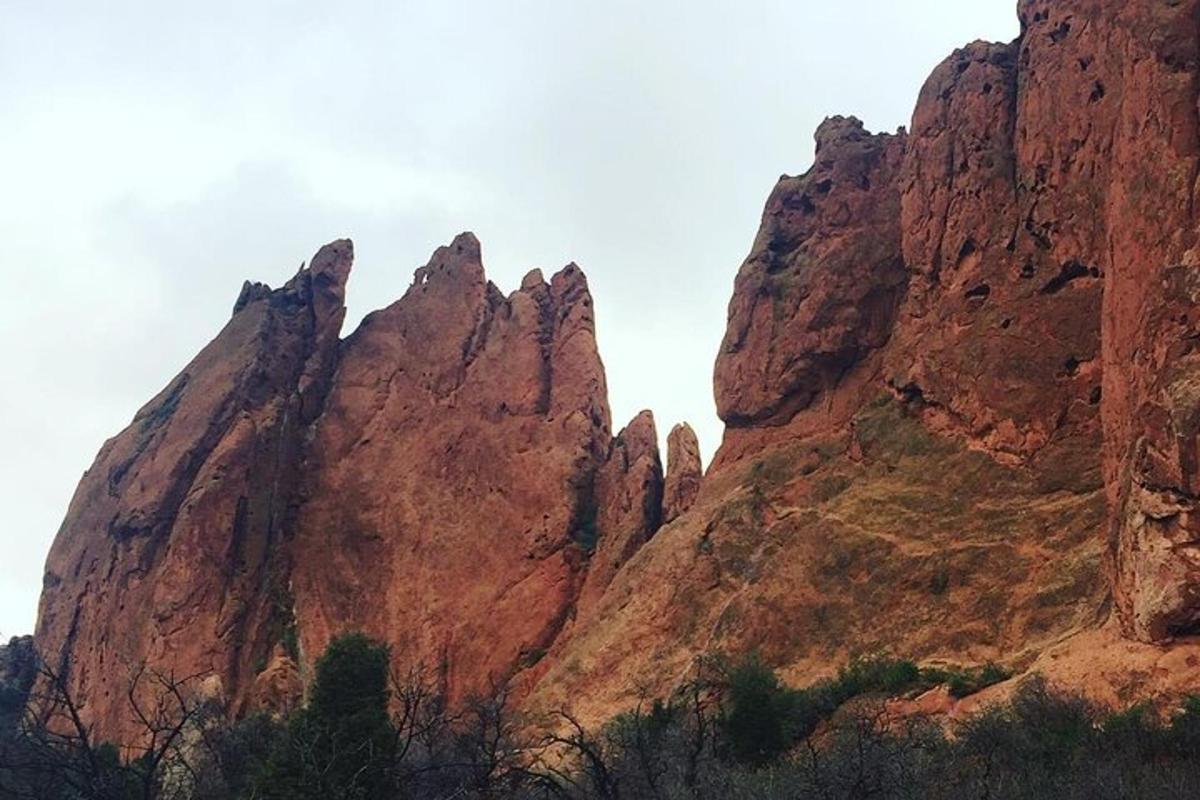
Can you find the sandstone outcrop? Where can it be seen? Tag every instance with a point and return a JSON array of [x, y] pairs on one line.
[[629, 497], [685, 472], [820, 289], [922, 346], [278, 689], [442, 480], [169, 554], [453, 476], [961, 388]]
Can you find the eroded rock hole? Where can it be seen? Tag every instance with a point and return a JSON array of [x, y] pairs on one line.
[[1040, 233], [910, 394], [777, 248], [802, 203], [979, 293], [1071, 271], [1061, 32], [1184, 629], [1098, 92], [968, 249], [824, 186]]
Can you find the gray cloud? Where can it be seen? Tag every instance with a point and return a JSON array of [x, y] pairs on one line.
[[157, 154]]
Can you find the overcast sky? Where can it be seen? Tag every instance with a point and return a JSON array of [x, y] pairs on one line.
[[155, 154]]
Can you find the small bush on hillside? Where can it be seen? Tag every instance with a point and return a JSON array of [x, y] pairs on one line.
[[965, 681], [876, 674], [759, 713]]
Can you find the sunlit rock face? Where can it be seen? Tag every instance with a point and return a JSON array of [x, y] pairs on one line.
[[962, 404]]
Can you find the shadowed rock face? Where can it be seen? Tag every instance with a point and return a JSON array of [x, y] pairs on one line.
[[629, 496], [962, 394]]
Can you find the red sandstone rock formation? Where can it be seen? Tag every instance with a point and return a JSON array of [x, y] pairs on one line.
[[921, 346], [820, 288], [629, 497], [452, 478], [442, 480], [278, 690], [960, 387], [685, 472], [169, 554]]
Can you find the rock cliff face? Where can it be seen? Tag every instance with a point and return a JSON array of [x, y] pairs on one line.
[[444, 479], [961, 389], [959, 386], [169, 553], [629, 496], [454, 474], [685, 472]]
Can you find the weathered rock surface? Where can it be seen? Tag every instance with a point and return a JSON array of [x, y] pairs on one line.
[[629, 498], [1150, 142], [685, 471], [961, 388], [278, 690], [820, 289], [921, 347], [442, 479], [453, 476], [169, 553]]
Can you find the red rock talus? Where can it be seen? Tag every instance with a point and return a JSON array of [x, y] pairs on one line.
[[167, 557]]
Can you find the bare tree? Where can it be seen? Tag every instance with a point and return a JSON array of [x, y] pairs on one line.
[[573, 760], [55, 753]]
